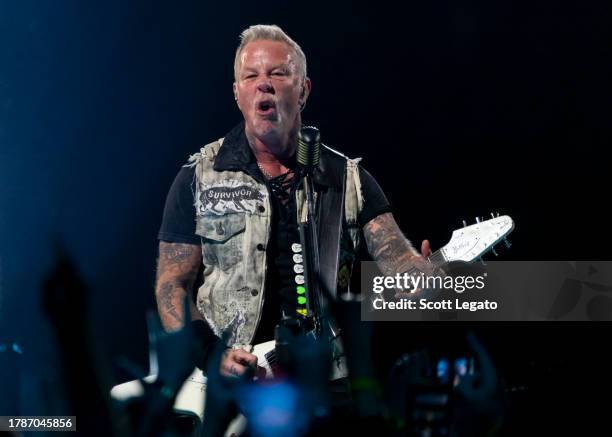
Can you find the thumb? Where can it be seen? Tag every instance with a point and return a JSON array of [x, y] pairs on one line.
[[425, 248]]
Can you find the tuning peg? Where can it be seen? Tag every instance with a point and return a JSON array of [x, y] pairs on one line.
[[482, 261], [508, 245], [477, 219], [497, 214], [493, 215], [464, 223], [493, 250]]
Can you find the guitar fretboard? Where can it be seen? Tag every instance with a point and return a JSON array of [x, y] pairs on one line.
[[437, 258], [271, 359]]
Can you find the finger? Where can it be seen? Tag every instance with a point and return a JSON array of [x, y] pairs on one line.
[[261, 372], [232, 368], [243, 357], [425, 248]]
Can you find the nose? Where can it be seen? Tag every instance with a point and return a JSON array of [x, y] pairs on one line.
[[265, 85]]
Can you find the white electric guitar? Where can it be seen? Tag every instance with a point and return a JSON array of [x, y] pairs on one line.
[[466, 244]]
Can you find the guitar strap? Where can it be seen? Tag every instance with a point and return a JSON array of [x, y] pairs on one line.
[[338, 199], [330, 213], [341, 201]]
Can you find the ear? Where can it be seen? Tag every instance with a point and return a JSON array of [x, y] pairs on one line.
[[306, 87], [235, 89]]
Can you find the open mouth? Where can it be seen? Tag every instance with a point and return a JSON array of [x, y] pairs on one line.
[[266, 107]]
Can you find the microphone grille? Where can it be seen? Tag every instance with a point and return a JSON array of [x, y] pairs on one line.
[[309, 147]]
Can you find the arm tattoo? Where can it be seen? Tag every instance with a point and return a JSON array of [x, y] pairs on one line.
[[387, 245], [177, 269], [165, 300], [176, 253]]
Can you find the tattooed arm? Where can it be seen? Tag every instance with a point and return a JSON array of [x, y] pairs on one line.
[[387, 245], [177, 269]]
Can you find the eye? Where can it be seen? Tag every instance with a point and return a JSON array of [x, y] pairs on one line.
[[279, 73]]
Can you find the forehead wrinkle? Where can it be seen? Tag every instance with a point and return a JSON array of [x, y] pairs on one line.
[[288, 62]]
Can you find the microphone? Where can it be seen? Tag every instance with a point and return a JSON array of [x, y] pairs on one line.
[[309, 148]]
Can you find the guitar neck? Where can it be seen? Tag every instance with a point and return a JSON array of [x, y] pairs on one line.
[[472, 242], [437, 258]]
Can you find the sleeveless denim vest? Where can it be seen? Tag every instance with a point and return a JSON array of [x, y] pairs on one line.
[[233, 220]]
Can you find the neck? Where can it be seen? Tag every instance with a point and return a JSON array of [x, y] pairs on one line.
[[273, 149]]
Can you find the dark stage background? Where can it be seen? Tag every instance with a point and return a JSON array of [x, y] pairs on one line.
[[458, 109]]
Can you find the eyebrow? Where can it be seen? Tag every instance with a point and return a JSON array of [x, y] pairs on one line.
[[285, 66]]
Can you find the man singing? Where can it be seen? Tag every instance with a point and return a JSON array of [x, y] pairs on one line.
[[232, 211]]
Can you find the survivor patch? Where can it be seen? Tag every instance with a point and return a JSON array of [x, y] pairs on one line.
[[228, 196]]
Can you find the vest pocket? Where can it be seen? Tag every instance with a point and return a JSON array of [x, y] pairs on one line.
[[222, 239]]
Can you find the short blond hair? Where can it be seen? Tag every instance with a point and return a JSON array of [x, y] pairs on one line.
[[269, 32]]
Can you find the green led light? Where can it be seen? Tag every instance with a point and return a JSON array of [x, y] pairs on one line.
[[301, 300], [300, 289]]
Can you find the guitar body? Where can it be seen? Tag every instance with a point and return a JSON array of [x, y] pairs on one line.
[[191, 397]]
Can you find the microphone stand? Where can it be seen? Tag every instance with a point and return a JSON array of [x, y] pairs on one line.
[[290, 326], [310, 311], [310, 250]]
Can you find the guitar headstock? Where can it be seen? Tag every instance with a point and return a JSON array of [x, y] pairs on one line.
[[471, 242]]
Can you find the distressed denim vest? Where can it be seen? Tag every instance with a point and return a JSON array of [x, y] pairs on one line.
[[233, 219]]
